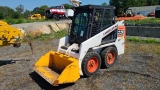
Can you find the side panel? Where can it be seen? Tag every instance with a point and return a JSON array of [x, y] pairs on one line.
[[69, 12], [62, 42], [121, 39]]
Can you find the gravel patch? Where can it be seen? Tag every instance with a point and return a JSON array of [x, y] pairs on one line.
[[131, 71], [137, 69]]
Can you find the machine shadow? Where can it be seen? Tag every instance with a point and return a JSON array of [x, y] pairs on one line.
[[5, 62], [44, 84]]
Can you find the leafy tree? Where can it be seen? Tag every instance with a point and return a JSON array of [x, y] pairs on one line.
[[15, 15], [26, 13], [152, 2], [20, 9], [44, 7], [40, 10], [1, 15], [36, 10], [117, 4], [125, 4], [104, 4], [67, 6], [6, 12]]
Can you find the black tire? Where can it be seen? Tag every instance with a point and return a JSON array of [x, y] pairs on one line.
[[71, 18], [91, 63], [56, 17], [17, 45], [109, 56], [48, 15]]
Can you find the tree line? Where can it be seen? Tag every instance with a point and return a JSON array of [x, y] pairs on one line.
[[19, 12], [125, 4]]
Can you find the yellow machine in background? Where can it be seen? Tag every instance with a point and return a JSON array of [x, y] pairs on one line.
[[36, 17], [10, 35]]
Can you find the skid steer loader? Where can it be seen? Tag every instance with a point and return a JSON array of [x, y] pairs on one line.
[[95, 40]]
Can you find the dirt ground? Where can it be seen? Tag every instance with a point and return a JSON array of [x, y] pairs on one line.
[[138, 68]]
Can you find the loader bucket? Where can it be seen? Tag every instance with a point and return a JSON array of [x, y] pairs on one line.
[[57, 68]]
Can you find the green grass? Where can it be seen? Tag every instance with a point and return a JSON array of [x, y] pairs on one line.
[[23, 20], [53, 35], [144, 21], [60, 34], [147, 40], [142, 48]]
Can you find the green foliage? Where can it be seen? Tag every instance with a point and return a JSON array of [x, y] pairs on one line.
[[44, 7], [14, 21], [15, 15], [19, 20], [104, 4], [36, 10], [6, 12], [9, 20], [60, 34], [135, 39], [22, 20], [26, 13], [151, 40], [40, 10], [67, 6], [144, 21], [44, 36], [53, 35], [20, 9], [1, 15], [147, 40], [125, 4]]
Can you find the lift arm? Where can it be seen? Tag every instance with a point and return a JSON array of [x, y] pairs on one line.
[[76, 3]]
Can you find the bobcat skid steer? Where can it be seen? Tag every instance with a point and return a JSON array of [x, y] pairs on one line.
[[95, 39]]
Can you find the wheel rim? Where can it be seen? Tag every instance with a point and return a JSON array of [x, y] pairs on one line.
[[92, 65], [110, 58]]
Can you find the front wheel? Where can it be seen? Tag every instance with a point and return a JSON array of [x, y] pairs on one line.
[[56, 17], [91, 63], [109, 56]]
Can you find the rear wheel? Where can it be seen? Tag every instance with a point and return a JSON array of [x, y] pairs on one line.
[[91, 63], [109, 56]]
